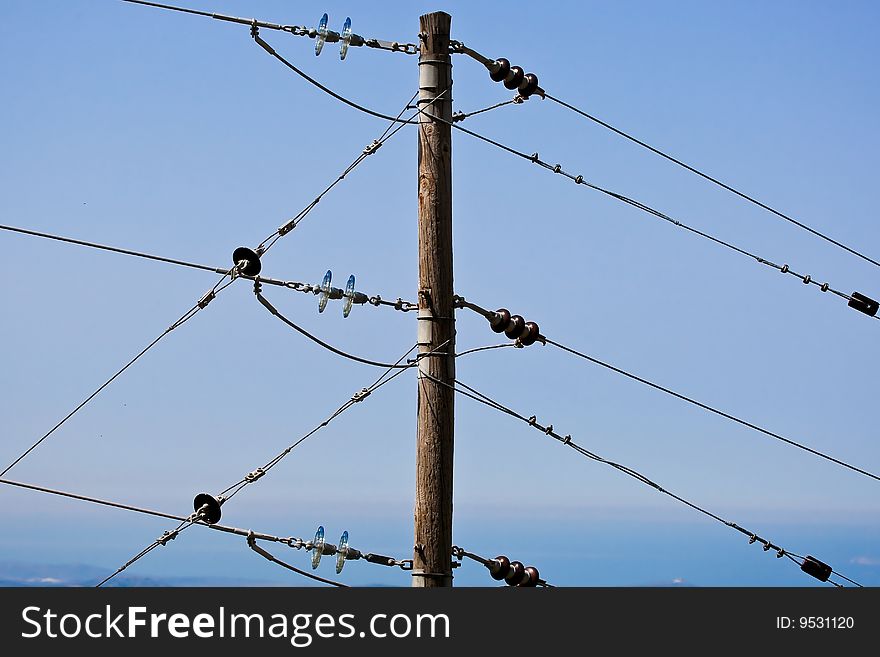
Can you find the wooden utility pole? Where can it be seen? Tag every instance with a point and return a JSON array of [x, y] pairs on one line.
[[432, 560]]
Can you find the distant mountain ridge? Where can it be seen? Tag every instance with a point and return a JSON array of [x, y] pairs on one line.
[[16, 574]]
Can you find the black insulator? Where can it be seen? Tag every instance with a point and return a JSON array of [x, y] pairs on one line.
[[500, 69], [863, 304], [529, 85], [501, 326], [533, 577], [516, 327], [503, 568], [515, 576], [212, 510], [812, 566], [514, 78], [530, 335], [252, 260]]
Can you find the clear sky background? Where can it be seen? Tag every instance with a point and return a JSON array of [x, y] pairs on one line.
[[177, 135]]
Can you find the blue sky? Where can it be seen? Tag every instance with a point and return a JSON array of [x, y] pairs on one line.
[[177, 135]]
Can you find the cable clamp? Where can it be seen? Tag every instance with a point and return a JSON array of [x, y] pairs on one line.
[[780, 553], [579, 180], [372, 148], [753, 538], [534, 157], [557, 168], [458, 116], [549, 429], [167, 536], [784, 269], [251, 477], [361, 395], [825, 287], [807, 279], [566, 440], [286, 228], [205, 300], [533, 420]]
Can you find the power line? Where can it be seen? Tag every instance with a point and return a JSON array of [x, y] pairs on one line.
[[189, 314], [858, 301], [114, 249], [328, 36], [502, 321], [711, 409], [500, 70], [566, 440], [253, 476], [713, 180], [185, 523], [308, 288]]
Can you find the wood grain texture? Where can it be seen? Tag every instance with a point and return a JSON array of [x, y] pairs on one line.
[[434, 450]]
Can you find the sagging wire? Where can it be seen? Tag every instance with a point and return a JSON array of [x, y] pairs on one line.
[[811, 565], [274, 311]]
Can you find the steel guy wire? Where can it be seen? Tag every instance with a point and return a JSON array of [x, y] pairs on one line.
[[577, 179], [358, 397], [258, 473], [201, 304], [162, 540], [566, 440], [267, 243], [713, 180], [295, 30]]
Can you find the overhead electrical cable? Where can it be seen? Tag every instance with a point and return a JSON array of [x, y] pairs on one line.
[[566, 440]]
